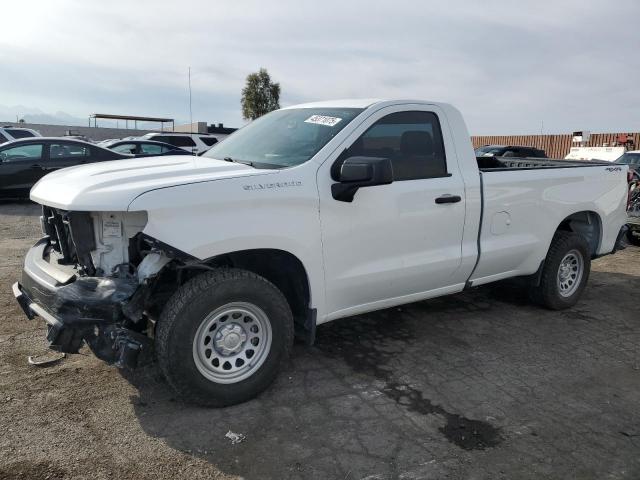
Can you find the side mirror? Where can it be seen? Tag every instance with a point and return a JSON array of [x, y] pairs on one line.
[[357, 172]]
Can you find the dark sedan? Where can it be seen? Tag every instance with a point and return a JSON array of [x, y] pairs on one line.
[[24, 162], [144, 148]]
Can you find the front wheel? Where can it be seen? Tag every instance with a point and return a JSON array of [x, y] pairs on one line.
[[222, 337], [565, 272]]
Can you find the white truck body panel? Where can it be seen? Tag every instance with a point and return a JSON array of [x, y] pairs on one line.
[[521, 215], [391, 245], [112, 185]]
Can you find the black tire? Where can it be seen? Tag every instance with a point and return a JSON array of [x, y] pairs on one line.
[[548, 293], [633, 239], [188, 308]]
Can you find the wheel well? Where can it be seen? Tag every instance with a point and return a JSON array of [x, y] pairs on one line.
[[586, 224], [286, 272]]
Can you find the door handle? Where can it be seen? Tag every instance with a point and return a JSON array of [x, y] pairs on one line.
[[37, 166], [448, 198]]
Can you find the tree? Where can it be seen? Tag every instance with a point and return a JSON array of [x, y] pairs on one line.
[[260, 95]]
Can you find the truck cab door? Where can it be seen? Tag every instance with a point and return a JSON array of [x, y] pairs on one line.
[[399, 242]]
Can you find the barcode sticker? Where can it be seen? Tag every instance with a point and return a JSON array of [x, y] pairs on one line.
[[111, 229]]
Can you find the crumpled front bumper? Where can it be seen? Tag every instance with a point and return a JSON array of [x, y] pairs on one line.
[[77, 308]]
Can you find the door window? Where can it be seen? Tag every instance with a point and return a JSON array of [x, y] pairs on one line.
[[58, 151], [23, 152], [411, 140]]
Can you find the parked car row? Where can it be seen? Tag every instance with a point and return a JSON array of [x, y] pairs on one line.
[[26, 156], [24, 162], [194, 143]]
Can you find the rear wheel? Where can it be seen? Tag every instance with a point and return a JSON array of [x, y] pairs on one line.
[[565, 272], [223, 336]]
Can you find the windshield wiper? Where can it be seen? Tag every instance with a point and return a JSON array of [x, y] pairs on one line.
[[235, 160]]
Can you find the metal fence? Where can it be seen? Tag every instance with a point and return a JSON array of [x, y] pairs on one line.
[[556, 146]]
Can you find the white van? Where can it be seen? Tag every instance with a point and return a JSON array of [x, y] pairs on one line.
[[191, 142]]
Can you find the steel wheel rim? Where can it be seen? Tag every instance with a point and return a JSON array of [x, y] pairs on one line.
[[570, 273], [232, 342]]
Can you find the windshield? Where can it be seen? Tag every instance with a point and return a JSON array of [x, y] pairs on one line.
[[284, 138], [629, 159]]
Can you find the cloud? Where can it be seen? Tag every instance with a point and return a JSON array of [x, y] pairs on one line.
[[507, 65]]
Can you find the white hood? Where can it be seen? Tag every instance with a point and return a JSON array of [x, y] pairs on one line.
[[112, 186]]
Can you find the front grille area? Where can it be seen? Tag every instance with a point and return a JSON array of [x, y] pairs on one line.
[[71, 235], [56, 226]]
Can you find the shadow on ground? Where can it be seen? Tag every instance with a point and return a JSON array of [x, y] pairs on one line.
[[20, 208]]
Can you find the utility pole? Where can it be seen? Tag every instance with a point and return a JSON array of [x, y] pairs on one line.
[[190, 111]]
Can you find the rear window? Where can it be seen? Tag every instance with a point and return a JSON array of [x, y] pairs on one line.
[[16, 133], [125, 148], [208, 141], [176, 140], [152, 149], [532, 152], [489, 151]]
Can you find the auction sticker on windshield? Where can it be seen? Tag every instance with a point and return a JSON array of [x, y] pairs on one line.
[[323, 120]]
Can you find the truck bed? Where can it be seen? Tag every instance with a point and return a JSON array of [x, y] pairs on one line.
[[493, 164], [525, 199]]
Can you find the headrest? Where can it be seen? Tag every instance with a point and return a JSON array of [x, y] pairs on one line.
[[416, 142]]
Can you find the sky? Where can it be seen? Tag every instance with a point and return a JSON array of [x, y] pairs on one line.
[[511, 67]]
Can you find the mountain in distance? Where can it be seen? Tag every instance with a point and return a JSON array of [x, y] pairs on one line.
[[35, 115]]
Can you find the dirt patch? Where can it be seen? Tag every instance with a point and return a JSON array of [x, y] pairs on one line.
[[32, 471]]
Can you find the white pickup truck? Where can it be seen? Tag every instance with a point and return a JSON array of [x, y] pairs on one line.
[[309, 214]]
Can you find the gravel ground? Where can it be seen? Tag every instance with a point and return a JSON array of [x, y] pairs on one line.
[[475, 385]]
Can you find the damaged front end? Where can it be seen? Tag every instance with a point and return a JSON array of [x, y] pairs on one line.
[[90, 279]]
